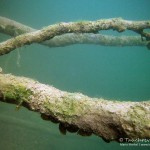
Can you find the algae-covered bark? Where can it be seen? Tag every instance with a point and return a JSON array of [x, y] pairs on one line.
[[76, 112], [13, 28], [51, 31]]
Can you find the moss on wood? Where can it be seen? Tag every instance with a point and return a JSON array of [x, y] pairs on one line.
[[76, 112]]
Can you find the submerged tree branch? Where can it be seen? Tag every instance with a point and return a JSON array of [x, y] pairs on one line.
[[49, 32], [13, 28], [76, 112]]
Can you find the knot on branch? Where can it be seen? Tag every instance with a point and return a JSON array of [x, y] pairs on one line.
[[118, 24], [143, 34], [148, 45]]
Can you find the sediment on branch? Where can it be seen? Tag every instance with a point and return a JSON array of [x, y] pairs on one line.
[[76, 112], [13, 28], [50, 32]]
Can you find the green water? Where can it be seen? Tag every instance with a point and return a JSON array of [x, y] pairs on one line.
[[121, 73]]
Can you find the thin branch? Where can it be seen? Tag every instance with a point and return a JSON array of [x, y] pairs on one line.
[[76, 112], [49, 32], [13, 28], [99, 39]]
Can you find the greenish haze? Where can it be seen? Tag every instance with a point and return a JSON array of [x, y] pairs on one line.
[[121, 73]]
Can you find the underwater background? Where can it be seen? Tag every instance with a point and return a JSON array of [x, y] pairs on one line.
[[120, 73]]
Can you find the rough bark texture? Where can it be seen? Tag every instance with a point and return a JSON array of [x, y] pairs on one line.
[[49, 32], [13, 28], [76, 112]]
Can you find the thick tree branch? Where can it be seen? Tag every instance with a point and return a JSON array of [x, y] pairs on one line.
[[49, 32], [13, 28], [76, 112]]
